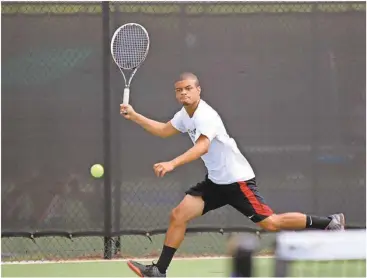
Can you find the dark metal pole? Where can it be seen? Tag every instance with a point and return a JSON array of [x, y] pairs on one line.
[[116, 143], [107, 130], [314, 83], [242, 255]]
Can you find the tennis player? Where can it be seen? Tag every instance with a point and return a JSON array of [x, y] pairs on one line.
[[230, 179]]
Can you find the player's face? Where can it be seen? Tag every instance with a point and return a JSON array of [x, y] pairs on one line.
[[187, 93]]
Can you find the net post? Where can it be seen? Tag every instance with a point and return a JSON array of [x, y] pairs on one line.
[[242, 250], [108, 241], [281, 267]]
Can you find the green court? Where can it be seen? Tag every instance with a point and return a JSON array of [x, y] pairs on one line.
[[210, 267]]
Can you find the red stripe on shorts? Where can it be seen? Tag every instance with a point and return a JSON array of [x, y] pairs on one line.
[[259, 207]]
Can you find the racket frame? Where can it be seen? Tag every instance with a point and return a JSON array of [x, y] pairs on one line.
[[126, 92]]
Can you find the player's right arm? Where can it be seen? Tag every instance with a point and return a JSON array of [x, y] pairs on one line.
[[163, 130]]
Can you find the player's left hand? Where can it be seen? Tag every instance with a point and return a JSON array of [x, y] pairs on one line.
[[162, 168]]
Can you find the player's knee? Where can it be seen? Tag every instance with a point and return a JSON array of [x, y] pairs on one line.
[[177, 216], [271, 228], [271, 223]]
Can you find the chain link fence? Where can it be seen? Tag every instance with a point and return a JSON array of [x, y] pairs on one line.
[[293, 79]]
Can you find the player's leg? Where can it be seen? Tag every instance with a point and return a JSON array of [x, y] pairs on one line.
[[300, 221], [189, 208], [248, 201], [293, 220], [199, 200]]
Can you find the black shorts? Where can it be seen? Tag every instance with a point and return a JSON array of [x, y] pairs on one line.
[[243, 196]]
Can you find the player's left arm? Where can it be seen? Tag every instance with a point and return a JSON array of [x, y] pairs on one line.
[[200, 148], [206, 131]]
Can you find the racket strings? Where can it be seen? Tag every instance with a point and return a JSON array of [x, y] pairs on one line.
[[130, 46]]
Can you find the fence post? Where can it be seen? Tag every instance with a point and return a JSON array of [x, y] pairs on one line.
[[108, 250], [314, 81]]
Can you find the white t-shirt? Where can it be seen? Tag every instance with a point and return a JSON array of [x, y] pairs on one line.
[[224, 161]]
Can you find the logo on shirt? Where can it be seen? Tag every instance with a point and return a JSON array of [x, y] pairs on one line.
[[192, 133]]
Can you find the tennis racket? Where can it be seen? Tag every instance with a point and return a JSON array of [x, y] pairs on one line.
[[129, 48]]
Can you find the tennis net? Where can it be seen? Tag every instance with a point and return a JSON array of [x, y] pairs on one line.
[[321, 254], [301, 254]]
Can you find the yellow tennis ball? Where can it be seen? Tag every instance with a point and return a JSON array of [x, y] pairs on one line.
[[97, 170]]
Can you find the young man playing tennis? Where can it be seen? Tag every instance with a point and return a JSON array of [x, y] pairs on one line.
[[230, 179]]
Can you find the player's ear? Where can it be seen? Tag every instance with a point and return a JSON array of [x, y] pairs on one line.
[[199, 89]]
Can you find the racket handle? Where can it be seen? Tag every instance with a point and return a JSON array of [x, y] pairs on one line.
[[126, 95]]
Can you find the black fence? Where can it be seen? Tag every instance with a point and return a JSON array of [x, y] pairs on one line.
[[287, 78]]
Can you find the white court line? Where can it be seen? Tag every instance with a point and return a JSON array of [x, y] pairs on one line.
[[121, 260]]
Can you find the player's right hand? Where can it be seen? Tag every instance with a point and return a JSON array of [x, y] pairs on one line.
[[127, 111]]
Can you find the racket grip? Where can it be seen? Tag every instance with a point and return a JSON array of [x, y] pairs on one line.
[[126, 95]]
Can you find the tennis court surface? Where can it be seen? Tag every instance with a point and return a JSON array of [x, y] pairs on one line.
[[208, 267]]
